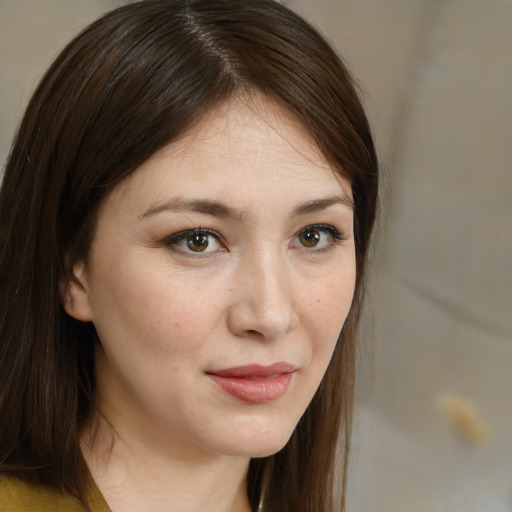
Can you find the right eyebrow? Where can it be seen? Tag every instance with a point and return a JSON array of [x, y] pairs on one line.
[[204, 206]]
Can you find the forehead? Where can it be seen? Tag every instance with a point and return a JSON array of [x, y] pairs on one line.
[[244, 150]]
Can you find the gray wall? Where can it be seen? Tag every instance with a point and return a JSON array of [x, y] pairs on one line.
[[435, 414], [434, 421]]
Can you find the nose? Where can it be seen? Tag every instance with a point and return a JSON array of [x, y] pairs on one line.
[[263, 298]]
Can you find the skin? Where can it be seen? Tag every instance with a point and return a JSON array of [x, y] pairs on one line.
[[257, 290]]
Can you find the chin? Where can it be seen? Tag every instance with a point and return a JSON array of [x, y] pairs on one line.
[[256, 442], [267, 451], [256, 449]]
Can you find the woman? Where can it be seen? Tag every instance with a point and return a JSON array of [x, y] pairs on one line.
[[184, 218]]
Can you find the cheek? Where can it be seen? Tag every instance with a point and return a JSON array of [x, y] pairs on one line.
[[328, 305], [169, 313], [153, 326]]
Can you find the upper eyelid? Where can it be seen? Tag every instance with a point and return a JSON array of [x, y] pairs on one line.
[[324, 227], [183, 233], [199, 229], [320, 225]]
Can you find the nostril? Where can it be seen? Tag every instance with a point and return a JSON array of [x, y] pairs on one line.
[[253, 332]]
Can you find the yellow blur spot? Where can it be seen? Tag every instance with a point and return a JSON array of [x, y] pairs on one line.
[[465, 418]]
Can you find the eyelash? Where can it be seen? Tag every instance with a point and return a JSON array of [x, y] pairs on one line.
[[172, 241], [336, 237]]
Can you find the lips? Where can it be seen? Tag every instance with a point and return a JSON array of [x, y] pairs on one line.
[[255, 384]]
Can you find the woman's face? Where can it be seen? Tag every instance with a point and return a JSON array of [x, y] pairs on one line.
[[218, 281]]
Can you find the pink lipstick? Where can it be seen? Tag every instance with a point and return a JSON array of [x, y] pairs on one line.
[[254, 383]]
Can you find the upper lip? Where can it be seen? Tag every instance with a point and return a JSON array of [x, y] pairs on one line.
[[255, 370]]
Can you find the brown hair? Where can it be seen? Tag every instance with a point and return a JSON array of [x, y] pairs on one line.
[[129, 84]]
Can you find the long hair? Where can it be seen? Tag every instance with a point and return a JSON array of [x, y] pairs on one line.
[[129, 84]]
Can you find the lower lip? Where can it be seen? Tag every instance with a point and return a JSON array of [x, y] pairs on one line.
[[254, 391]]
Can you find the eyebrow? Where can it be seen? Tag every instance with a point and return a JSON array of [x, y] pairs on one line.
[[321, 204], [221, 210], [213, 208]]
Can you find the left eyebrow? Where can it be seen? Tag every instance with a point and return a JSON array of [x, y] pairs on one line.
[[321, 204]]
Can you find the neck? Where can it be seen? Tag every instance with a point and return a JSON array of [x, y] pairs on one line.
[[136, 475]]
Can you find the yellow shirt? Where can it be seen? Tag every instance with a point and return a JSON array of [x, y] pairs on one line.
[[19, 496]]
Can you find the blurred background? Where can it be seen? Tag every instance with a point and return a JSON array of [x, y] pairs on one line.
[[433, 427]]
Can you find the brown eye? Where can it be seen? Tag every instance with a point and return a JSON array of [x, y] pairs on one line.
[[318, 238], [197, 242], [310, 237]]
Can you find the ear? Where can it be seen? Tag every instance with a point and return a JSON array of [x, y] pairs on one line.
[[75, 294]]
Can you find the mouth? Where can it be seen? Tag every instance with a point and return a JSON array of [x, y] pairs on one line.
[[255, 384]]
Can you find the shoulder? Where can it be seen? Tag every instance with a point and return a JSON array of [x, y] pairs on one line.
[[19, 496]]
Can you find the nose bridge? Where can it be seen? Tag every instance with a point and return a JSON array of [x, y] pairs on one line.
[[264, 299]]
